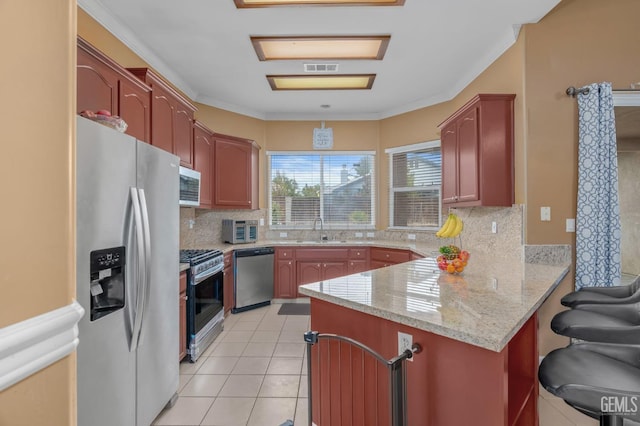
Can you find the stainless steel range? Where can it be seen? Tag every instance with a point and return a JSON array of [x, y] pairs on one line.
[[205, 311]]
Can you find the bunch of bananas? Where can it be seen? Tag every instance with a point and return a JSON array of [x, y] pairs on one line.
[[451, 228]]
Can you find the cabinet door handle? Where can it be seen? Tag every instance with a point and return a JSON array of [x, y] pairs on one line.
[[357, 253], [449, 132], [468, 119], [289, 262]]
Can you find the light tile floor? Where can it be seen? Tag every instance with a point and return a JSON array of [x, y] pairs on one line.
[[255, 374]]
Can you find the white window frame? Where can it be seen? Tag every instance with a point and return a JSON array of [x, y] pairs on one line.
[[371, 226], [411, 148]]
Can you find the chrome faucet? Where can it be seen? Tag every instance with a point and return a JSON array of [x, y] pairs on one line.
[[315, 221]]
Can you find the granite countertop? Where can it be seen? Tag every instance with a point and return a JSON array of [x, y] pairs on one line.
[[184, 266], [485, 306]]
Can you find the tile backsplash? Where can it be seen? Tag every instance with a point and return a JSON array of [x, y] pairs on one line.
[[202, 228]]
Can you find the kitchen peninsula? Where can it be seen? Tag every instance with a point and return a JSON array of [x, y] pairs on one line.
[[478, 333]]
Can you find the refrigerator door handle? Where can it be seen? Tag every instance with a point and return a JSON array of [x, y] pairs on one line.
[[146, 284], [141, 268]]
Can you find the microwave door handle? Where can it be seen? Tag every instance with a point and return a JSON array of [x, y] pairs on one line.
[[146, 283], [137, 216]]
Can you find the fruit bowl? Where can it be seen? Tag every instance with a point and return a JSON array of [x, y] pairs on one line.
[[452, 259]]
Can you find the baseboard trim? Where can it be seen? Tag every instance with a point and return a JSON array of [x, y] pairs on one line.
[[33, 344]]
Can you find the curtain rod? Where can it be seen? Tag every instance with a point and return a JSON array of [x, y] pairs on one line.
[[573, 92]]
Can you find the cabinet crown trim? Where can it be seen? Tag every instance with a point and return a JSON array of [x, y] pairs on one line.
[[144, 73], [477, 98], [100, 56]]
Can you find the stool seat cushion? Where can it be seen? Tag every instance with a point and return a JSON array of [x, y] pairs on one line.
[[596, 326], [582, 378]]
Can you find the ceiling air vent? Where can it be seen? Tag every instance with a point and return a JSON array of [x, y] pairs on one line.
[[320, 67]]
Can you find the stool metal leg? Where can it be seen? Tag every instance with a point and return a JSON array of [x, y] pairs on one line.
[[611, 420], [310, 338]]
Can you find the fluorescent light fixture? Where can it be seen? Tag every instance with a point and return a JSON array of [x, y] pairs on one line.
[[270, 3], [321, 82], [372, 47]]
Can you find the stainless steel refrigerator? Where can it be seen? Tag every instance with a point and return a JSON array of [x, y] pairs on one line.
[[127, 277]]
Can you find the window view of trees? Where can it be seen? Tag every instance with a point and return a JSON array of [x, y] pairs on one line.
[[336, 188]]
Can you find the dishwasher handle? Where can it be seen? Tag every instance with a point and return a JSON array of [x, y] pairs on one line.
[[257, 251]]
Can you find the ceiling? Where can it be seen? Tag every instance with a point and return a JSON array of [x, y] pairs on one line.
[[437, 48]]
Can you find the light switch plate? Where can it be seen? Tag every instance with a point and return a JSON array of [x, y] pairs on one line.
[[359, 234], [371, 234], [283, 235], [411, 236], [545, 214], [570, 225]]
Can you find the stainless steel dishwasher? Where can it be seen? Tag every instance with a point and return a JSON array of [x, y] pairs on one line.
[[253, 285]]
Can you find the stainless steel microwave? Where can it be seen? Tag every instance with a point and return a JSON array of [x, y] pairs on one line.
[[239, 231], [189, 187]]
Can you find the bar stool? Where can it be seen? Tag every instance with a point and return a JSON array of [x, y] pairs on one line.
[[598, 379], [604, 295], [604, 323]]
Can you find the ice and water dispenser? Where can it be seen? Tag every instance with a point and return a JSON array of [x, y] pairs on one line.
[[107, 281]]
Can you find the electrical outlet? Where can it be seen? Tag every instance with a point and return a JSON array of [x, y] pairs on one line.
[[191, 223], [405, 341], [411, 236], [283, 235], [494, 227], [359, 234], [371, 234]]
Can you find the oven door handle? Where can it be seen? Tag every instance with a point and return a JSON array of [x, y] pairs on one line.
[[201, 277], [140, 266]]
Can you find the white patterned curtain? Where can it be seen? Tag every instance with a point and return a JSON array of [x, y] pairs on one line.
[[598, 215]]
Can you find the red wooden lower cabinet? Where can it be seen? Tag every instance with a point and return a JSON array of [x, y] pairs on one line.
[[449, 383]]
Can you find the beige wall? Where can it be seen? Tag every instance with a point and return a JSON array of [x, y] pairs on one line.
[[505, 75], [629, 188], [579, 42], [37, 261]]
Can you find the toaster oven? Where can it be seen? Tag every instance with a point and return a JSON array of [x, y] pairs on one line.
[[239, 231]]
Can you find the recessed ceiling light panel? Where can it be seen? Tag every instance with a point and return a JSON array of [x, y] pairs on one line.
[[371, 47], [271, 3], [321, 82]]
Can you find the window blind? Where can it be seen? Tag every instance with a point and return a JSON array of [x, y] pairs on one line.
[[335, 187], [415, 183]]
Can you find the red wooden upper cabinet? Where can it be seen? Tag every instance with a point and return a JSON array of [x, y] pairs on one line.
[[203, 161], [172, 117], [477, 153], [105, 85], [235, 173]]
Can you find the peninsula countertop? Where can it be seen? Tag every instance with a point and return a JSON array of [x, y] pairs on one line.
[[484, 306]]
